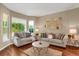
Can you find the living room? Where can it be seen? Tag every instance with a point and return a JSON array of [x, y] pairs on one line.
[[42, 29]]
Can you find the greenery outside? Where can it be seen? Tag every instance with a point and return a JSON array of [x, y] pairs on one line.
[[17, 27]]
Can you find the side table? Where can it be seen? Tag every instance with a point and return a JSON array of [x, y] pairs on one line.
[[73, 42]]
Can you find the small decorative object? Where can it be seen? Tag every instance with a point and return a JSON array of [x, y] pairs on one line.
[[40, 43]]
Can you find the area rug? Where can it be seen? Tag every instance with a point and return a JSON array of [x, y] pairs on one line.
[[50, 52]]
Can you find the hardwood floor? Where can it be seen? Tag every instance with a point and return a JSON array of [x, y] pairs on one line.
[[12, 50]]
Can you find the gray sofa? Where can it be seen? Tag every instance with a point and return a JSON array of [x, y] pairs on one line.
[[21, 39], [56, 41]]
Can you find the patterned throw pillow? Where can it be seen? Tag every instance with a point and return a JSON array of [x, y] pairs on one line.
[[60, 36], [44, 35]]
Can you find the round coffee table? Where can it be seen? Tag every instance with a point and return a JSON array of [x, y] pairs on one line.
[[40, 47]]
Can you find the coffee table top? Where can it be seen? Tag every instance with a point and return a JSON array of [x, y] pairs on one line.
[[38, 45]]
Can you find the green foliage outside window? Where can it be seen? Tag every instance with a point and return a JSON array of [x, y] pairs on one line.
[[4, 26], [17, 27]]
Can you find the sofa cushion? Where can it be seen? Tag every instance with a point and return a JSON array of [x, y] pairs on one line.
[[55, 40], [22, 35], [45, 39], [26, 39]]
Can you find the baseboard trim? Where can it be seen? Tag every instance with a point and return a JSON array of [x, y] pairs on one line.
[[5, 46]]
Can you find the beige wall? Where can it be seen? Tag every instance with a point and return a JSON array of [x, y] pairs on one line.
[[0, 27], [70, 17]]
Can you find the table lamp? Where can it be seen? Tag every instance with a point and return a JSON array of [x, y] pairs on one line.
[[72, 33]]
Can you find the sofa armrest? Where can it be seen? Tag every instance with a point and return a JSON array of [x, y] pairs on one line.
[[65, 40], [16, 40]]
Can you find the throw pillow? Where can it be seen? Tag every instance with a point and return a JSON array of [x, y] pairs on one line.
[[28, 34], [21, 35], [62, 36], [59, 36], [50, 36], [44, 35], [16, 34], [53, 35]]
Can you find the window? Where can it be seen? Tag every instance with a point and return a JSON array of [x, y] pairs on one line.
[[31, 26], [5, 27], [18, 25]]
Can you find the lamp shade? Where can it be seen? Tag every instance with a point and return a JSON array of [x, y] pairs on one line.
[[36, 30], [73, 31]]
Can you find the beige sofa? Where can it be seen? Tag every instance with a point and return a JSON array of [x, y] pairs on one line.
[[21, 39], [56, 41]]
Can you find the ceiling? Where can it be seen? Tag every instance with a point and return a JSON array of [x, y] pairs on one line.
[[40, 9]]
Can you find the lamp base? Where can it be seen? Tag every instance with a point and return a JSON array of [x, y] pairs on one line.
[[71, 36]]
